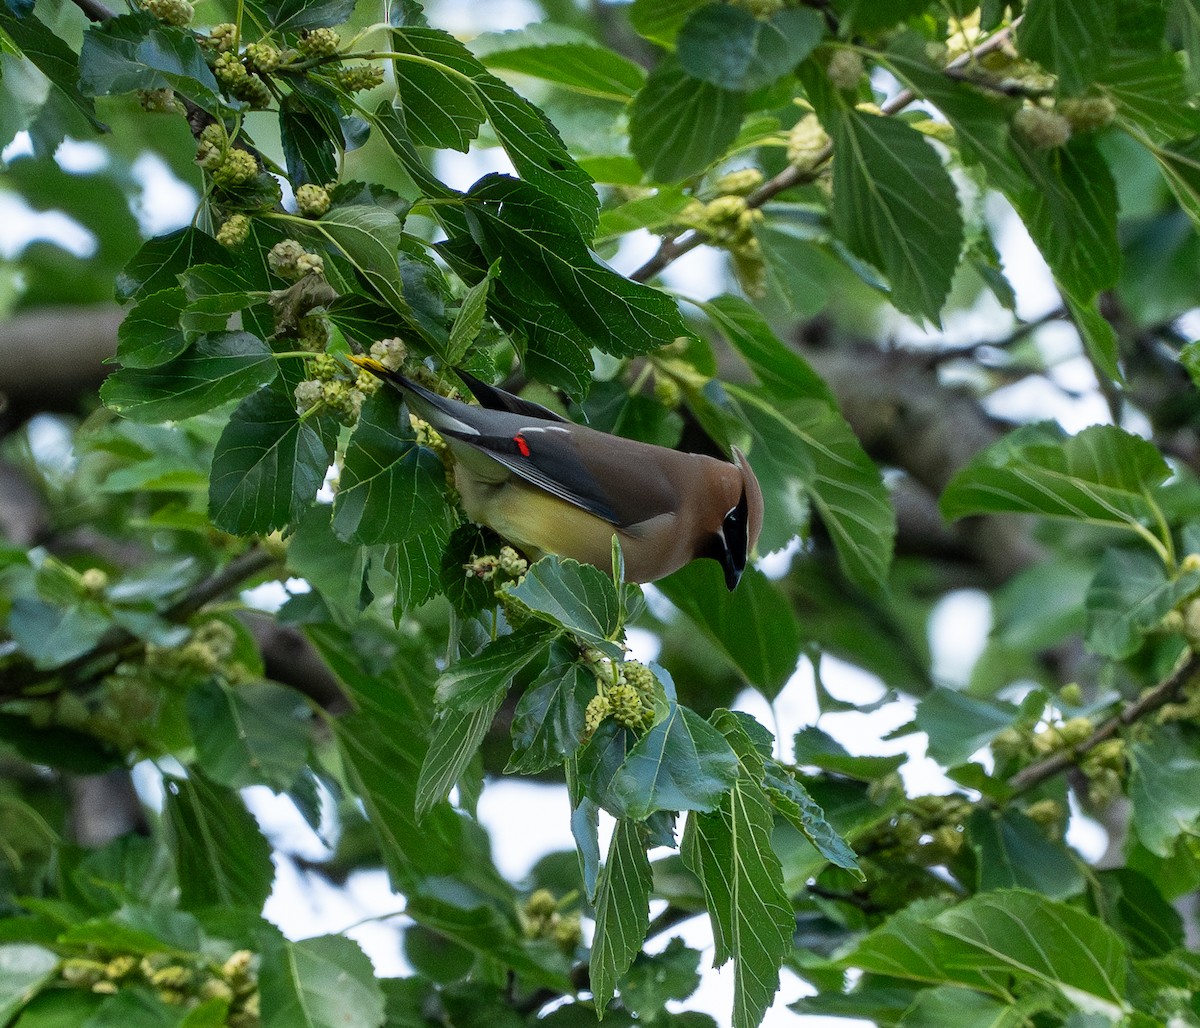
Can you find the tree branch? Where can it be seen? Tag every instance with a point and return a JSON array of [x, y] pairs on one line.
[[1153, 699], [672, 248]]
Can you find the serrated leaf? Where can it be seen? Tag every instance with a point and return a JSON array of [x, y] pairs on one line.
[[383, 742], [622, 911], [456, 739], [794, 802], [160, 260], [548, 723], [731, 48], [754, 626], [1151, 91], [1128, 599], [326, 982], [151, 334], [895, 206], [678, 125], [220, 367], [137, 51], [530, 140], [1067, 37], [309, 149], [391, 487], [1013, 852], [805, 447], [1164, 787], [221, 856], [681, 763], [660, 20], [254, 734], [1100, 476], [752, 920], [474, 681], [293, 15], [268, 463], [1180, 167], [470, 316], [577, 597], [781, 370], [573, 61], [958, 725], [50, 54], [545, 261], [370, 239]]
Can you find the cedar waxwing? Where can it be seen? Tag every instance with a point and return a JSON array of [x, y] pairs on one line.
[[549, 485]]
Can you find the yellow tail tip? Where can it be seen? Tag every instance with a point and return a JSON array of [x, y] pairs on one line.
[[370, 363]]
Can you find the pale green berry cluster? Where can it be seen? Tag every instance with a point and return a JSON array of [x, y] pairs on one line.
[[625, 691], [289, 260], [234, 232], [358, 77], [540, 919], [1041, 127], [845, 69], [237, 167], [171, 12], [322, 42], [808, 143], [312, 200]]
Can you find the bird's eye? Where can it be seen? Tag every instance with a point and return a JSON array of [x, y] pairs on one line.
[[736, 529]]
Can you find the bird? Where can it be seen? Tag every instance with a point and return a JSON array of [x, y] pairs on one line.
[[549, 485]]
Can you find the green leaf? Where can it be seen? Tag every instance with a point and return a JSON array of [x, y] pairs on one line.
[[1128, 599], [484, 931], [681, 763], [326, 982], [50, 54], [151, 334], [794, 802], [1100, 476], [678, 125], [254, 734], [370, 239], [1164, 787], [383, 743], [24, 970], [157, 265], [781, 370], [335, 569], [754, 626], [474, 681], [1151, 91], [805, 445], [1180, 166], [531, 142], [131, 1008], [1069, 38], [137, 51], [814, 748], [546, 261], [1013, 852], [575, 63], [470, 316], [221, 856], [959, 725], [456, 739], [222, 366], [391, 487], [293, 15], [51, 636], [1099, 337], [1134, 907], [268, 463], [622, 911], [729, 47], [576, 597], [752, 920], [660, 20], [309, 148], [548, 723], [1040, 940], [895, 206]]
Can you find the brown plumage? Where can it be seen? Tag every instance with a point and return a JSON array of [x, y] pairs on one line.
[[549, 485]]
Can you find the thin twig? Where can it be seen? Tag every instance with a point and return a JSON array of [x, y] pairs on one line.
[[1020, 332], [1151, 700], [672, 248]]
